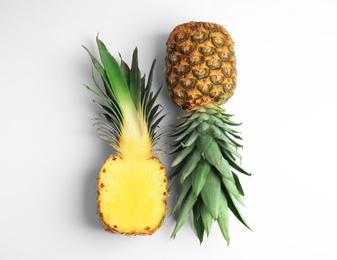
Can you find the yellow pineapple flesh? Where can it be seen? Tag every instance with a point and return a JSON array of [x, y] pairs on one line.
[[132, 194], [200, 64]]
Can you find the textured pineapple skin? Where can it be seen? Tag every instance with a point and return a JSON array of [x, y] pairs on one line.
[[200, 64], [132, 195]]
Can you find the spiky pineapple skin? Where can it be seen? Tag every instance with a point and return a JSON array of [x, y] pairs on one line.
[[200, 64]]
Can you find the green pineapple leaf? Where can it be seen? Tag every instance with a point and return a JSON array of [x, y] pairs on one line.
[[135, 80], [211, 193], [197, 222], [184, 213], [223, 217], [199, 176]]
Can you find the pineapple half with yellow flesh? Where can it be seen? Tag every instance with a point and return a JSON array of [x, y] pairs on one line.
[[132, 184], [201, 76]]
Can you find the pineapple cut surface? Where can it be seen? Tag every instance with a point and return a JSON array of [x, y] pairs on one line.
[[132, 196]]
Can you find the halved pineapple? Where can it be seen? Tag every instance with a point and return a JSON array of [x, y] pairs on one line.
[[132, 183]]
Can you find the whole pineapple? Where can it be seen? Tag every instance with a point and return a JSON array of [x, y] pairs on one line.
[[132, 184], [201, 76]]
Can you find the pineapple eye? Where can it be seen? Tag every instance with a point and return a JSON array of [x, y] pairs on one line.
[[218, 41], [224, 33], [227, 72], [204, 88], [173, 81], [217, 79], [228, 87], [182, 69], [194, 97], [186, 49], [233, 63], [194, 25], [195, 59], [201, 73], [213, 64], [188, 83], [199, 36], [174, 58], [210, 26], [180, 37], [215, 94], [181, 94], [224, 56], [207, 50], [231, 48]]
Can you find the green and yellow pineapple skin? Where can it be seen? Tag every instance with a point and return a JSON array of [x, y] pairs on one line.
[[200, 64], [208, 162]]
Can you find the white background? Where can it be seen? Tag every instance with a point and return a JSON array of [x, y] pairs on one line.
[[50, 153]]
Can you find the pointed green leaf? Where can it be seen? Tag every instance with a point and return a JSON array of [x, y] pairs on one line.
[[199, 176], [223, 217], [100, 69], [211, 193], [231, 188], [177, 148], [182, 155], [228, 149], [184, 213], [201, 117], [186, 186], [197, 222], [192, 138], [235, 165], [155, 124], [150, 78], [235, 210], [212, 153], [206, 217], [232, 140], [214, 131], [238, 184], [108, 92], [225, 170], [189, 129], [225, 118], [190, 164], [135, 80], [204, 143], [203, 128], [126, 70], [114, 74]]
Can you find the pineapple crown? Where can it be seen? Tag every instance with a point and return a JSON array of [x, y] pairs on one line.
[[125, 94]]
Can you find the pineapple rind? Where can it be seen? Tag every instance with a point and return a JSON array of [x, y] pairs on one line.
[[200, 64], [209, 181]]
